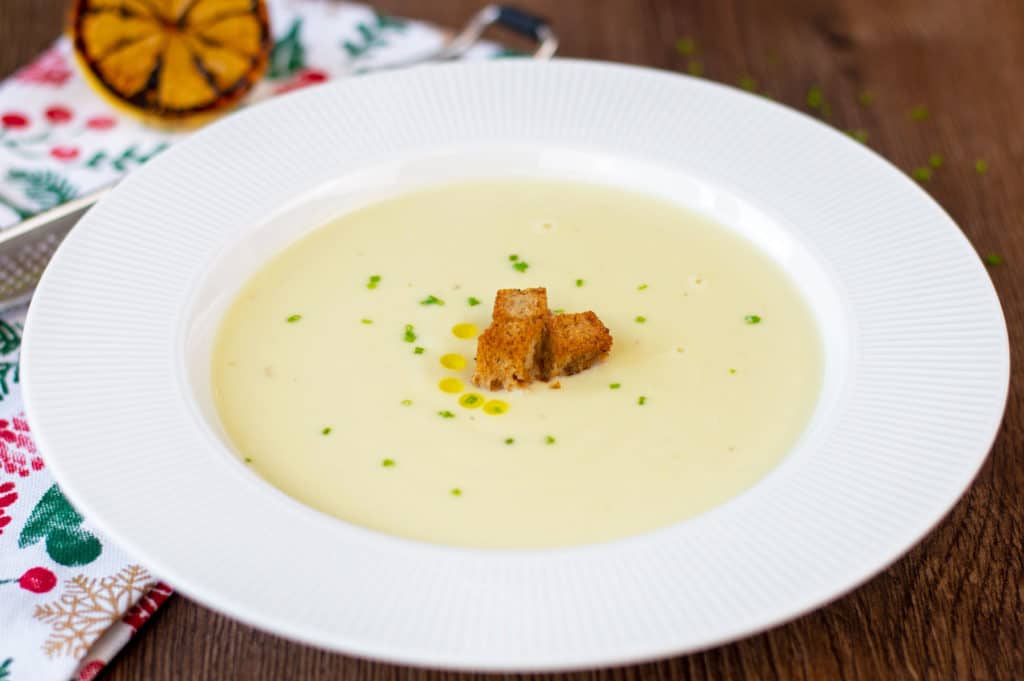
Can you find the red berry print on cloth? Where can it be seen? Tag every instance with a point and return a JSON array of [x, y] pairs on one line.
[[64, 153], [58, 115], [13, 120], [54, 521], [51, 68], [303, 78], [38, 580], [101, 123], [91, 670], [18, 454], [7, 498]]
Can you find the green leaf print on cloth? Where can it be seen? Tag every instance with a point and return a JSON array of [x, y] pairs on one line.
[[287, 56], [43, 188], [54, 520], [371, 36], [5, 668]]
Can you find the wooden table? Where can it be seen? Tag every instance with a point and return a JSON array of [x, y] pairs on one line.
[[952, 608]]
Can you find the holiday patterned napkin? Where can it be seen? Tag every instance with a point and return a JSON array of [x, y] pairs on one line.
[[69, 600]]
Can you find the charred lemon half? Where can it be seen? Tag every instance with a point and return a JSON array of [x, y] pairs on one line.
[[172, 61]]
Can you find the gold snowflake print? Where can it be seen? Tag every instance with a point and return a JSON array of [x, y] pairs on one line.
[[87, 607]]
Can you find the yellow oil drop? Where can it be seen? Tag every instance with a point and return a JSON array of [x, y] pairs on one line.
[[465, 331], [453, 361], [471, 400], [495, 407], [450, 385]]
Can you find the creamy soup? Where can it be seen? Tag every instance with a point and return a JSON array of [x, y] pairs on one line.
[[342, 371]]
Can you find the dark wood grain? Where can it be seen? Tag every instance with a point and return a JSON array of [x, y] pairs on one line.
[[953, 608]]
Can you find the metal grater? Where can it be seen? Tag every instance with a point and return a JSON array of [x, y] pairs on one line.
[[26, 248]]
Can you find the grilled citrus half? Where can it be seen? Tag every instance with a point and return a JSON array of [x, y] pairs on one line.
[[172, 60]]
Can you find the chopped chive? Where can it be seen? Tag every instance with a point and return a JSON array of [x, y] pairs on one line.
[[936, 161], [695, 67], [509, 440], [418, 350], [388, 463], [686, 46], [248, 459], [550, 439], [859, 134], [456, 492], [446, 414], [579, 283], [641, 287], [919, 113], [981, 166], [732, 371], [410, 334], [431, 300], [642, 400], [866, 98], [922, 174], [366, 321], [471, 301], [326, 431], [640, 319], [993, 260], [406, 403], [513, 257], [748, 83], [294, 318], [558, 311], [373, 281], [521, 266], [614, 386], [752, 319]]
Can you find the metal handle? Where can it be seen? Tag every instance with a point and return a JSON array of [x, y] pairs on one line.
[[516, 20]]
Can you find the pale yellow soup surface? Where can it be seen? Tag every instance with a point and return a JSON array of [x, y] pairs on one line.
[[704, 402]]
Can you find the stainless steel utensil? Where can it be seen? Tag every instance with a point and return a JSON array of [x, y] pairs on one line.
[[26, 248]]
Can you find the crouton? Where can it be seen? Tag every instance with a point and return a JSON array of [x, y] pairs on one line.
[[574, 343], [509, 353], [514, 303]]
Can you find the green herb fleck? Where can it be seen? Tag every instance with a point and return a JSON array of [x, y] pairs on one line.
[[388, 463], [815, 98], [472, 302], [550, 439], [748, 83], [431, 300], [406, 403], [446, 414], [686, 46], [521, 266], [579, 283], [410, 334], [732, 371], [326, 431], [509, 440], [558, 311], [859, 134], [752, 319], [456, 492], [614, 386], [981, 166], [640, 319], [936, 161], [641, 287], [418, 350], [294, 318], [366, 321], [922, 174], [695, 67], [919, 113], [642, 400], [373, 281], [866, 98], [248, 459], [993, 260], [513, 257]]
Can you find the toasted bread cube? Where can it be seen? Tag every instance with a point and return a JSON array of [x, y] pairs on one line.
[[515, 303], [575, 342], [509, 352]]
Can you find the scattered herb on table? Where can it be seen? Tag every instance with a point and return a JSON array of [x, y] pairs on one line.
[[866, 98], [993, 260], [919, 113], [936, 161], [981, 166], [695, 67], [748, 83], [922, 174], [859, 134], [686, 46]]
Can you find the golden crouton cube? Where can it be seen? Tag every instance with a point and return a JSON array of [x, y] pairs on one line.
[[514, 303], [575, 342], [509, 353]]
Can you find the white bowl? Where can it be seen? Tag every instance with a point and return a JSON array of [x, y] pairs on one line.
[[117, 346]]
